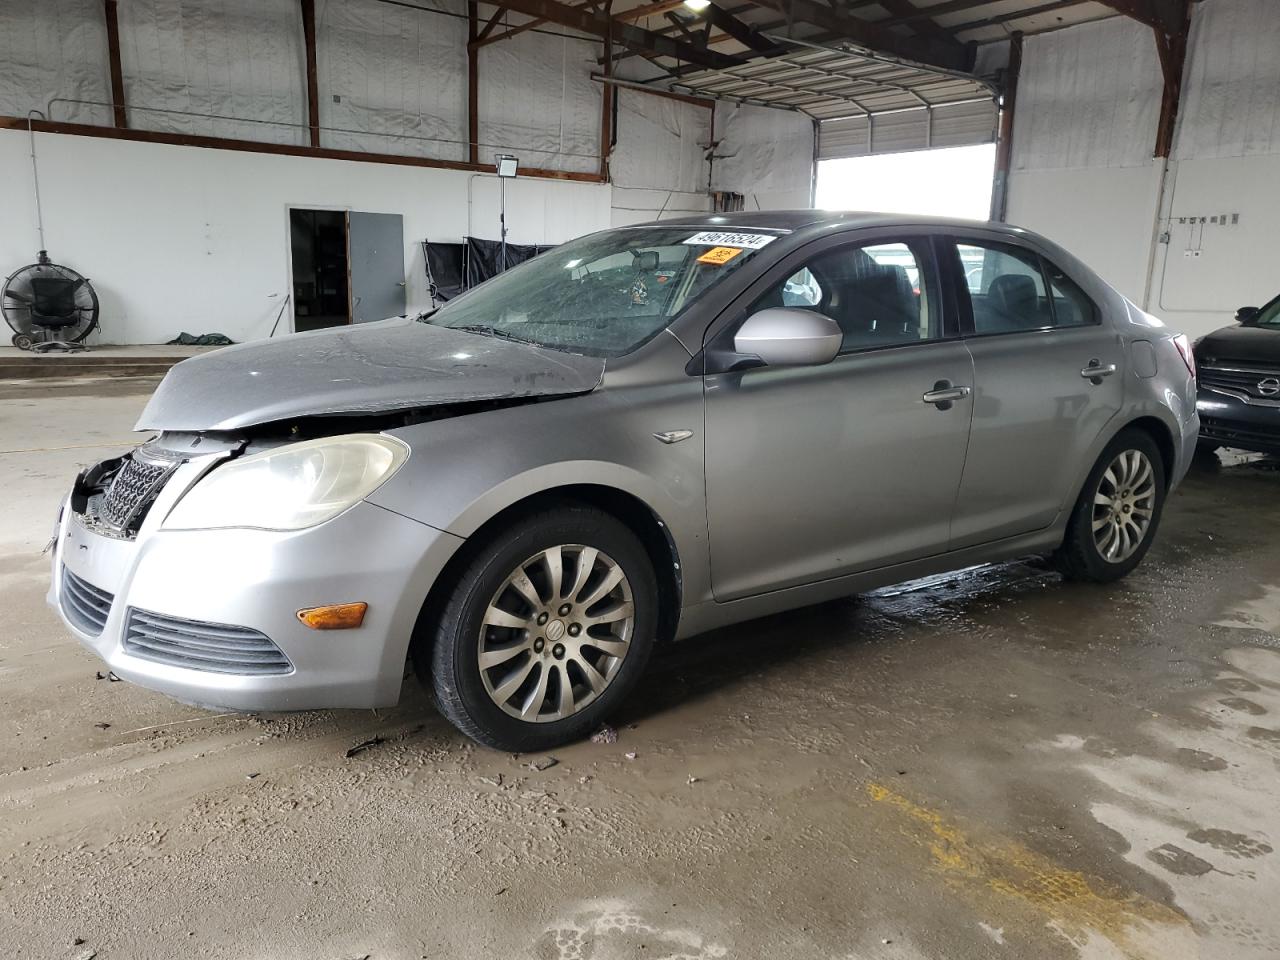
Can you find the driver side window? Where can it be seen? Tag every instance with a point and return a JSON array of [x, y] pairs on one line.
[[880, 294]]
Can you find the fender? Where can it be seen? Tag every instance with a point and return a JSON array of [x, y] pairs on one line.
[[455, 481]]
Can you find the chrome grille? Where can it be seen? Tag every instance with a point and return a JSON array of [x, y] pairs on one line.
[[130, 492], [85, 605], [196, 645], [1241, 379]]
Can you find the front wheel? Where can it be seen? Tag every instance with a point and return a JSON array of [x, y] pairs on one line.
[[1115, 518], [547, 629]]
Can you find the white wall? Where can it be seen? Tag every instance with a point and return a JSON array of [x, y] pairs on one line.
[[1207, 271], [1105, 216], [1084, 132], [184, 238]]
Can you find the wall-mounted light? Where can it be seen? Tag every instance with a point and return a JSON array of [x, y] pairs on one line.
[[507, 164], [697, 5]]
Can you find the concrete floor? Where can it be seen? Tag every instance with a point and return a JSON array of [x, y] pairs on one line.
[[992, 764]]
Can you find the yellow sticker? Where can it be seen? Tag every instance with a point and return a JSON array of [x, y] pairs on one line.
[[719, 255]]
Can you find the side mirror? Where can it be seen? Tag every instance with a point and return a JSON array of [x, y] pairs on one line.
[[1246, 314], [783, 337]]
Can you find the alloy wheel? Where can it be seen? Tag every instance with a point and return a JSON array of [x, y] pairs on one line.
[[555, 633], [1123, 506]]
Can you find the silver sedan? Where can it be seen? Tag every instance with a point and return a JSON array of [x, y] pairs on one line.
[[638, 436]]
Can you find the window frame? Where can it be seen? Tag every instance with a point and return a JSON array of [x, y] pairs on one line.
[[954, 266], [923, 246]]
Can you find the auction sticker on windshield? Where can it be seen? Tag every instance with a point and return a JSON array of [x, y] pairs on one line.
[[719, 255], [715, 238]]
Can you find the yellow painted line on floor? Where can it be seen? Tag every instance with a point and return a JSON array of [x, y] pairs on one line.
[[74, 446], [1065, 898]]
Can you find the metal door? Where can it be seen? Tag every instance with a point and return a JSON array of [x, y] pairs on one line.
[[376, 255]]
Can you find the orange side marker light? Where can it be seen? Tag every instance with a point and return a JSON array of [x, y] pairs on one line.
[[334, 616]]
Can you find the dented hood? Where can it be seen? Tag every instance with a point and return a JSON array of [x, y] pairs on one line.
[[391, 365]]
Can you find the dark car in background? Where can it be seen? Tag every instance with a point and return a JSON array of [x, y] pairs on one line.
[[1238, 371]]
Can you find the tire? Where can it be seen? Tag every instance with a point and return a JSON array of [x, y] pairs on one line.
[[1097, 558], [481, 614]]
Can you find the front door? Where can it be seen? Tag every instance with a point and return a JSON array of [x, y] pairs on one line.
[[1035, 336], [817, 472], [376, 244]]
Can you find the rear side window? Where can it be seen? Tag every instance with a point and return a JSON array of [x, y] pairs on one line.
[[1071, 305], [1011, 290]]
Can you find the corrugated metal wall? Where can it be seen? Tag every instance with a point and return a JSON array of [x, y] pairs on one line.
[[392, 79], [1231, 99], [187, 62], [536, 91], [659, 166], [54, 48], [1088, 96], [764, 154]]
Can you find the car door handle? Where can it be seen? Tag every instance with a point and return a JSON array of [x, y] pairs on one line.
[[945, 394], [1095, 371]]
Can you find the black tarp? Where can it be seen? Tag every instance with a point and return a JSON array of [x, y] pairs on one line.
[[484, 258], [446, 269], [454, 268]]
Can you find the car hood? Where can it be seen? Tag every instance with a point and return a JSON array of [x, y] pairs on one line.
[[383, 367], [1239, 343]]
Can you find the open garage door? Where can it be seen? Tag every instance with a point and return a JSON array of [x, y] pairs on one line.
[[946, 125], [863, 103]]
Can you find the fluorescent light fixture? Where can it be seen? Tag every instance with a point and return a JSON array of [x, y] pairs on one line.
[[697, 4], [508, 164]]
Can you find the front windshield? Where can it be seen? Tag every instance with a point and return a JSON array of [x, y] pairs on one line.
[[1268, 316], [605, 294]]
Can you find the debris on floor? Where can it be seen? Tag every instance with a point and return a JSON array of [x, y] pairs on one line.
[[605, 734], [365, 745], [546, 763]]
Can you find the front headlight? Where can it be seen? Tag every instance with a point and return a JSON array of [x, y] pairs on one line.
[[291, 487]]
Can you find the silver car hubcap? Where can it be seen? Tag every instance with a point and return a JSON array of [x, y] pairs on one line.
[[1122, 506], [556, 632]]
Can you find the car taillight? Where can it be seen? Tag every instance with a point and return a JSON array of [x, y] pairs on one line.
[[1184, 348]]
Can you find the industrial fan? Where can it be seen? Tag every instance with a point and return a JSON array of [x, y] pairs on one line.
[[48, 306]]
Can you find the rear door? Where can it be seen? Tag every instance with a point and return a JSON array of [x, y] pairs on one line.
[[1048, 376], [816, 472]]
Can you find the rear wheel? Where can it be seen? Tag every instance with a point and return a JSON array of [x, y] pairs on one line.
[[1115, 518], [546, 630]]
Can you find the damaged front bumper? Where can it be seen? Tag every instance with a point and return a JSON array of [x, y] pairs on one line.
[[210, 616]]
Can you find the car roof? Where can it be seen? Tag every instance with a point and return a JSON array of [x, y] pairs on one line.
[[801, 219]]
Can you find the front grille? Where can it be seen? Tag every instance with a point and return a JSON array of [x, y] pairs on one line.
[[85, 605], [130, 493], [215, 647], [1241, 379]]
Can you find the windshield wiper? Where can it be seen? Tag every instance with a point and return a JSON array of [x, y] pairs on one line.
[[488, 330]]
